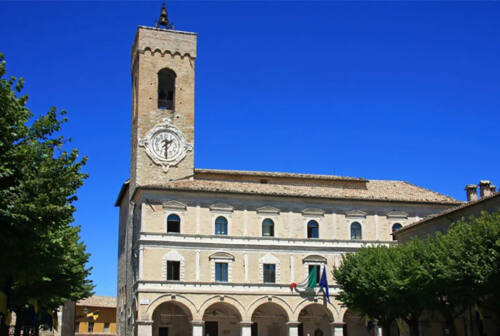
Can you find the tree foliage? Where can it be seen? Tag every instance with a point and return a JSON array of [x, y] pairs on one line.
[[42, 260], [446, 273]]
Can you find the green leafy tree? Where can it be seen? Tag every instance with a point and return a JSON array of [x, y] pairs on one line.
[[42, 260], [368, 279]]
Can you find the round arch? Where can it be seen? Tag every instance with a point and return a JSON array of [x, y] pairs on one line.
[[222, 316], [329, 309], [270, 318], [235, 304], [355, 324], [266, 299], [171, 318], [185, 304], [315, 319]]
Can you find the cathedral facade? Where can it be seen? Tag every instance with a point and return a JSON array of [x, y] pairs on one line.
[[214, 252]]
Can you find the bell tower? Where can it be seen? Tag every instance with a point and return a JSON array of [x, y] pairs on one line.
[[163, 65]]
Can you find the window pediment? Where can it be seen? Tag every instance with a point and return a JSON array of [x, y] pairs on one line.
[[268, 210], [174, 205], [355, 213], [313, 212], [221, 256], [397, 214], [314, 259], [269, 259], [221, 207]]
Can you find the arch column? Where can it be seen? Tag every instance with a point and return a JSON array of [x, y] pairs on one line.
[[293, 328], [198, 326], [337, 328], [246, 328], [144, 328]]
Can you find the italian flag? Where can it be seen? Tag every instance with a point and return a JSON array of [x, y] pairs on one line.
[[308, 283]]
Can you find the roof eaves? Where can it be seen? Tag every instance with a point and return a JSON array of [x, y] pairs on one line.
[[122, 192]]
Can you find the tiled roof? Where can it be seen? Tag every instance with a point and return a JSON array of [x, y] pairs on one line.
[[98, 301], [446, 212], [304, 185]]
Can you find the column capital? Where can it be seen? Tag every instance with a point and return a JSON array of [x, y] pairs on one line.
[[198, 322], [246, 323], [144, 322], [293, 323]]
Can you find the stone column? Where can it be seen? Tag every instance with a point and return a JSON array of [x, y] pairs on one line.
[[246, 328], [293, 328], [198, 326], [144, 328], [337, 328]]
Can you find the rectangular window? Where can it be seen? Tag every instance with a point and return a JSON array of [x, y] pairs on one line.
[[91, 327], [77, 327], [270, 273], [173, 270], [221, 272], [106, 327], [316, 269]]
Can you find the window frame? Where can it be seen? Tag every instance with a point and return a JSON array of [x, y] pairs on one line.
[[216, 226], [221, 264], [360, 231], [309, 233], [267, 219], [179, 223], [174, 262], [264, 266]]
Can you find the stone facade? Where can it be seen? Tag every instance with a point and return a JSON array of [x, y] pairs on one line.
[[182, 272]]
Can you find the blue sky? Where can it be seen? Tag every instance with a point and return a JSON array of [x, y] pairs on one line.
[[382, 90]]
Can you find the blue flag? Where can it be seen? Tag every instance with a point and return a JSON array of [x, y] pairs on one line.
[[323, 284]]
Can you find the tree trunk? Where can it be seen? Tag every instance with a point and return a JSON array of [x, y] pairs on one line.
[[386, 329], [450, 325], [414, 327]]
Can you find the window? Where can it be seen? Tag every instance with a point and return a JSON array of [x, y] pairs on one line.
[[312, 229], [77, 327], [355, 231], [91, 327], [221, 272], [221, 226], [268, 228], [269, 273], [316, 269], [106, 327], [395, 228], [173, 223], [173, 270], [166, 89]]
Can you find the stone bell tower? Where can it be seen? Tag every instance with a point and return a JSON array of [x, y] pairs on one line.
[[163, 63]]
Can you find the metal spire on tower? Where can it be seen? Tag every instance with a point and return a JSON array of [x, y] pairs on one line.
[[163, 20]]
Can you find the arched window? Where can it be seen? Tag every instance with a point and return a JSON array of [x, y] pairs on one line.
[[267, 228], [355, 231], [312, 229], [395, 228], [173, 223], [166, 89], [221, 225]]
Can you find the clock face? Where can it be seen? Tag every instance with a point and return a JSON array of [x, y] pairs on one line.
[[166, 145]]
